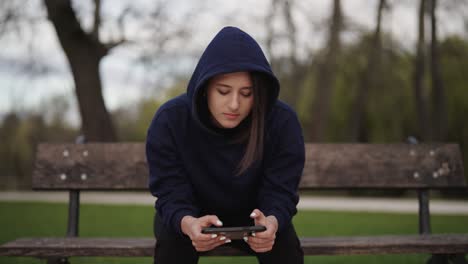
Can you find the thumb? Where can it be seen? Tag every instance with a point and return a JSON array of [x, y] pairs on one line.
[[209, 220], [258, 216]]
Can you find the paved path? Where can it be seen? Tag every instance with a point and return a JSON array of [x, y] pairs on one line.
[[458, 207]]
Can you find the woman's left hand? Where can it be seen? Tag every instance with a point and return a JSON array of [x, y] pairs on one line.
[[263, 241]]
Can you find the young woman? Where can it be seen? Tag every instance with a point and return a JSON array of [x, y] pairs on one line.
[[226, 153]]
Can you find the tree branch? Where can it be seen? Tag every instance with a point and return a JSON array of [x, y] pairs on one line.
[[69, 30], [10, 16], [113, 44], [97, 18]]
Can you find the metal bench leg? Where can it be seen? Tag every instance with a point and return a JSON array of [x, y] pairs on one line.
[[447, 259], [458, 259], [58, 260], [438, 259]]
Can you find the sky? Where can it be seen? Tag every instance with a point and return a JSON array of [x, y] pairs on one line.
[[125, 82]]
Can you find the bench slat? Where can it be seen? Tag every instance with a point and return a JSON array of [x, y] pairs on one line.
[[96, 166], [101, 166], [383, 166], [391, 244], [78, 246]]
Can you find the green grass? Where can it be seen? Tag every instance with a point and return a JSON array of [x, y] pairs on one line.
[[20, 219]]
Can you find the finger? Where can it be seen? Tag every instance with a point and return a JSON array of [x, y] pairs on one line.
[[257, 215], [260, 247], [213, 241], [221, 242], [209, 220], [210, 246], [256, 245], [204, 237], [257, 240], [267, 234], [218, 240], [202, 249], [261, 244]]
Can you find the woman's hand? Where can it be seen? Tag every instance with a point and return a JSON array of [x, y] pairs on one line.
[[263, 241], [192, 227]]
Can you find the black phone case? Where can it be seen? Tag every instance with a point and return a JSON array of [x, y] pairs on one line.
[[238, 232]]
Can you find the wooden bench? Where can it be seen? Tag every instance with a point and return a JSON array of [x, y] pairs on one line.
[[122, 166]]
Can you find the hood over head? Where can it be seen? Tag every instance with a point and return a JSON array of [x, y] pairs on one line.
[[231, 50]]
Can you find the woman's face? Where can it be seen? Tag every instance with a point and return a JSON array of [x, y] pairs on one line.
[[230, 98]]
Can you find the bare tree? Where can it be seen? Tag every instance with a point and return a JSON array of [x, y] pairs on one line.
[[440, 122], [291, 31], [297, 72], [84, 47], [84, 52], [287, 66], [270, 31], [325, 76], [368, 80], [420, 90]]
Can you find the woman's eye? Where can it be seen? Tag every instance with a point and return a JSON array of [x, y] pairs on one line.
[[247, 94]]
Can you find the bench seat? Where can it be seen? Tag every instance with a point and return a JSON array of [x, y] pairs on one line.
[[144, 247], [123, 167]]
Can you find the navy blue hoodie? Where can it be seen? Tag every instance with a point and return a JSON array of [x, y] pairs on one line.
[[193, 165]]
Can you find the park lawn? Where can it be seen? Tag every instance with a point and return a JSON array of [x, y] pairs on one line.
[[31, 219]]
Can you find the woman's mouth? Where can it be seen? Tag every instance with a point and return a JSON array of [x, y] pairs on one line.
[[231, 116]]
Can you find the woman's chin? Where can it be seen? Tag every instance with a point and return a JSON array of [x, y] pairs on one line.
[[228, 124]]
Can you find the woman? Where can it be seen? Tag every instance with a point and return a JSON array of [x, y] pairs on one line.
[[226, 153]]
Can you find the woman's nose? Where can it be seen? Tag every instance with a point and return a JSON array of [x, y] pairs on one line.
[[234, 102]]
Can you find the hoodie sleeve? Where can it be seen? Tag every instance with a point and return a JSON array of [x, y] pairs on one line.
[[278, 195], [168, 180]]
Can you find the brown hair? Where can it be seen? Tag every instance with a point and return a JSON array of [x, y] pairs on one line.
[[254, 134], [251, 129]]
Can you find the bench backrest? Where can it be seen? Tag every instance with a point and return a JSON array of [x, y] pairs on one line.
[[122, 166]]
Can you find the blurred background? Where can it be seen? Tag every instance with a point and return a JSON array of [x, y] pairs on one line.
[[366, 71]]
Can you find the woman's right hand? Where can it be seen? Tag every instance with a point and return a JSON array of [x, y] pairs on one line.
[[192, 227]]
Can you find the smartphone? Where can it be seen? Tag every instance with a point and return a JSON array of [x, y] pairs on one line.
[[238, 232]]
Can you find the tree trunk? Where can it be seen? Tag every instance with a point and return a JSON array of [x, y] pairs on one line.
[[286, 67], [296, 72], [325, 77], [369, 77], [420, 94], [291, 31], [84, 53], [270, 32], [440, 123]]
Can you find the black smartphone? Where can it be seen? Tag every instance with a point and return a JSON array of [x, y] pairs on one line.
[[238, 232]]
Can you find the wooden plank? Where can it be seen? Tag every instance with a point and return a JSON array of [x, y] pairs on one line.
[[67, 247], [100, 166], [91, 166], [383, 166], [126, 247], [394, 244], [77, 246]]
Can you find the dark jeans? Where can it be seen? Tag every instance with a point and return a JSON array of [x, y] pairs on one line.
[[174, 248]]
